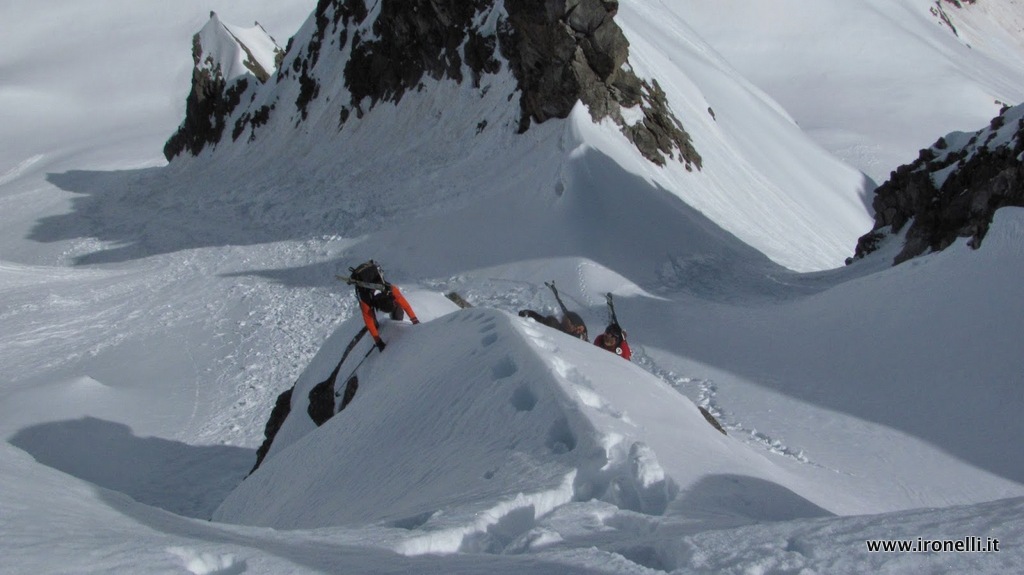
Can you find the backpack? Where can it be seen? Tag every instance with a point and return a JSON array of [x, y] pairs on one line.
[[571, 322], [370, 272]]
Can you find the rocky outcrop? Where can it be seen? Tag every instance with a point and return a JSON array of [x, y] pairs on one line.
[[322, 401], [952, 190], [282, 407], [564, 51], [944, 18], [560, 51]]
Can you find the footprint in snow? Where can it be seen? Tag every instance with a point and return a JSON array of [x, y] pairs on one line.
[[202, 563]]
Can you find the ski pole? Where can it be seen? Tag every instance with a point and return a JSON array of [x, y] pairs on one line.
[[355, 369]]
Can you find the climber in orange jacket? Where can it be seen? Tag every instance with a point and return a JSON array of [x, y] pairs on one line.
[[374, 295]]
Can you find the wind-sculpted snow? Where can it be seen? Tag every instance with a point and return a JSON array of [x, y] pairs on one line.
[[470, 428]]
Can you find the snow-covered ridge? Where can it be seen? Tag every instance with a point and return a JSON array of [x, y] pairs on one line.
[[350, 56], [535, 418], [307, 126]]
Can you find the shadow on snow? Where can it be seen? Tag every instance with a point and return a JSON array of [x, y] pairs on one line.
[[189, 480]]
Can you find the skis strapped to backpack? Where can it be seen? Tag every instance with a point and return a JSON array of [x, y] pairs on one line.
[[458, 300], [366, 275], [611, 311], [611, 308], [554, 290], [573, 324], [368, 285]]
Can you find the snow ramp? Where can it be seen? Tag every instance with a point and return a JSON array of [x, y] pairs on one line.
[[471, 427]]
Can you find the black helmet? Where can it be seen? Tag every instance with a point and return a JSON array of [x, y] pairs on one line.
[[614, 330]]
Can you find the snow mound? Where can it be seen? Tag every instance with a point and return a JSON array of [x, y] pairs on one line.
[[488, 422]]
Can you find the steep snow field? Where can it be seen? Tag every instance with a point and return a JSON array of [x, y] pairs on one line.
[[872, 81], [152, 313]]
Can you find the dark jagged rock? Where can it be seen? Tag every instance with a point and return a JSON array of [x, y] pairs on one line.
[[277, 416], [321, 401], [413, 39], [253, 120], [939, 12], [560, 52], [207, 108], [564, 51], [951, 191]]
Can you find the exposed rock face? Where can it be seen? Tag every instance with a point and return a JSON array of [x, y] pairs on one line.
[[943, 17], [282, 407], [952, 189], [560, 52], [322, 401], [224, 68]]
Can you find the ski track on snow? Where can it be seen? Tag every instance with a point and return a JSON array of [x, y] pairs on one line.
[[706, 398], [527, 295]]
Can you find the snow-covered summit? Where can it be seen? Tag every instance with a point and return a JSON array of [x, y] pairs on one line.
[[226, 57], [230, 51]]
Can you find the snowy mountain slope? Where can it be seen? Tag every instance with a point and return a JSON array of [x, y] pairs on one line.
[[730, 122], [133, 536], [889, 348], [906, 75], [157, 317]]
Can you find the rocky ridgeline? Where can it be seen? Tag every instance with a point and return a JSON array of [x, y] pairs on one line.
[[952, 190], [560, 52]]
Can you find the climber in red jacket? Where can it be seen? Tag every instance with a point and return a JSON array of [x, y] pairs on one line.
[[614, 340]]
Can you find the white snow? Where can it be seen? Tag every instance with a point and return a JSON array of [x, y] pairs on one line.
[[871, 81], [151, 314]]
